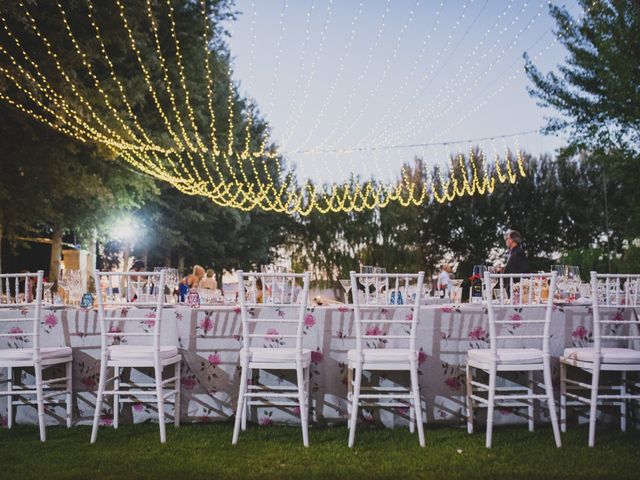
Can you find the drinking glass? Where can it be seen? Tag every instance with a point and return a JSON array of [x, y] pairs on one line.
[[48, 297], [172, 280], [346, 284], [573, 273], [478, 270]]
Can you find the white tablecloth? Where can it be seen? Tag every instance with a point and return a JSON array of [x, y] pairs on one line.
[[209, 342]]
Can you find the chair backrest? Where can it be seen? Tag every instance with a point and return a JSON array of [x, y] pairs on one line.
[[129, 287], [615, 292], [530, 291], [386, 291], [278, 287], [293, 298], [22, 293], [150, 287]]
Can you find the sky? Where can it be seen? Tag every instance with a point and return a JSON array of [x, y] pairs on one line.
[[348, 86]]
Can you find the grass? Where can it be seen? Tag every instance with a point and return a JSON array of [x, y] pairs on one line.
[[205, 451]]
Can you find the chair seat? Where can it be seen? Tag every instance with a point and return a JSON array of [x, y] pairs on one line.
[[120, 353], [26, 354], [511, 356], [609, 355], [383, 355], [275, 355]]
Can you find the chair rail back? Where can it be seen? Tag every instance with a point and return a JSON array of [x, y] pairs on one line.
[[146, 286], [391, 290], [527, 291], [619, 292], [22, 293], [286, 295]]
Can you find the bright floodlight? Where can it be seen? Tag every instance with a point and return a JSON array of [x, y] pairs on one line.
[[125, 229]]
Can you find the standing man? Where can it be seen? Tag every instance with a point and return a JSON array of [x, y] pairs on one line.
[[517, 260]]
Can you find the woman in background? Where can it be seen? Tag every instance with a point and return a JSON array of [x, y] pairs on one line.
[[138, 266], [209, 282], [190, 281]]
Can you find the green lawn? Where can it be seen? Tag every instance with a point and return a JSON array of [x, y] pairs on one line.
[[205, 451]]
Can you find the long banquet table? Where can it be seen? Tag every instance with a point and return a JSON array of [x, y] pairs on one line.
[[209, 341]]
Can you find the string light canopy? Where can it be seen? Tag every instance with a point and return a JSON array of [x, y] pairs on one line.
[[228, 160]]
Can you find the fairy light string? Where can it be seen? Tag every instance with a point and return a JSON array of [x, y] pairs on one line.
[[191, 153]]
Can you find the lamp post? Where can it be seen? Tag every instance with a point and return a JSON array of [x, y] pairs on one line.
[[126, 230]]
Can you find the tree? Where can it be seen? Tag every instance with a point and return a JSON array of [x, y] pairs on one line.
[[597, 96], [596, 90], [83, 186]]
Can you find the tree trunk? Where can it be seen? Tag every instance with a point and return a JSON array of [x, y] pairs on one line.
[[1, 237], [145, 258], [56, 255], [91, 261], [126, 253], [181, 265]]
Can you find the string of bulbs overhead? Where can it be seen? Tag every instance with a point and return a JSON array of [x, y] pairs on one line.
[[191, 154]]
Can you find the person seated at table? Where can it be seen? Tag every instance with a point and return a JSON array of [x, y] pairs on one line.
[[138, 266], [259, 291], [444, 280], [516, 260], [191, 281], [209, 282]]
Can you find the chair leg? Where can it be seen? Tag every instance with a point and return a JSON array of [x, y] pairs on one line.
[[417, 404], [9, 397], [176, 395], [302, 404], [491, 405], [412, 419], [99, 399], [116, 397], [40, 401], [241, 399], [469, 399], [349, 392], [623, 403], [593, 406], [531, 401], [307, 390], [160, 402], [246, 411], [563, 397], [551, 403], [355, 399], [69, 393]]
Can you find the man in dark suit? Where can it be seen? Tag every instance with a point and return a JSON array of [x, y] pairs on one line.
[[516, 261]]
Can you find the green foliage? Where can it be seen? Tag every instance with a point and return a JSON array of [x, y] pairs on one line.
[[556, 206], [596, 90], [52, 182], [596, 94], [600, 259]]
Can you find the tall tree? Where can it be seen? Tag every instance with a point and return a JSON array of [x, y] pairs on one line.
[[597, 96], [596, 89]]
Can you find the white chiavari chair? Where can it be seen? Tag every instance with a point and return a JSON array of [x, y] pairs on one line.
[[526, 292], [616, 349], [22, 294], [284, 327], [383, 290], [149, 355]]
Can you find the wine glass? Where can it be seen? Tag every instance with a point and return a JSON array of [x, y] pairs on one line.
[[346, 284], [172, 280], [63, 283], [48, 296], [426, 288], [478, 270]]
